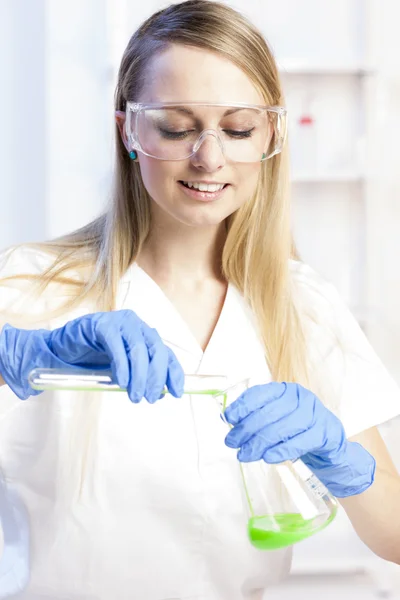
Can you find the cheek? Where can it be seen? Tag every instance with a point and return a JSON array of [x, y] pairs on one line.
[[158, 178], [247, 184], [150, 174]]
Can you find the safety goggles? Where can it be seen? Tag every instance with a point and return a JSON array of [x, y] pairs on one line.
[[245, 133]]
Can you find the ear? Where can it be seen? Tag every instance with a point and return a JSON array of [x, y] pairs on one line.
[[120, 121]]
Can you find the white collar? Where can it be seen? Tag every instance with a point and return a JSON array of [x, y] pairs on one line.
[[234, 335]]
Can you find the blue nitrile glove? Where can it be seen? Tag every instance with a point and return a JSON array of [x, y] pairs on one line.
[[117, 340], [284, 421]]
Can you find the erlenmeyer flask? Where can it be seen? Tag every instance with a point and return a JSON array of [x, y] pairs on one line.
[[286, 502]]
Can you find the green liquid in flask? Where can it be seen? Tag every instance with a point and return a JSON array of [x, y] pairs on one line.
[[271, 532], [293, 528]]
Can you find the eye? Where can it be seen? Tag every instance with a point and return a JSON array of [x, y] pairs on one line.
[[174, 135], [239, 134]]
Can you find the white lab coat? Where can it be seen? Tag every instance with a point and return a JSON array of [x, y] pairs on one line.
[[145, 501]]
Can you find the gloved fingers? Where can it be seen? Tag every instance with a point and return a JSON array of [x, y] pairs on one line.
[[115, 349], [175, 376], [138, 358], [270, 436], [150, 335], [157, 372], [131, 328], [252, 400], [157, 350], [252, 450], [306, 442], [278, 416], [301, 420]]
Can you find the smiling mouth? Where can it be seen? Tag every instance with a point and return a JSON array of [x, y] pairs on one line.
[[210, 188]]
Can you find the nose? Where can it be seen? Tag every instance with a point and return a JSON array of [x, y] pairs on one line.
[[208, 152]]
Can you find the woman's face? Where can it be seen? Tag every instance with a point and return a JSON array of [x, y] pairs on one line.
[[185, 74]]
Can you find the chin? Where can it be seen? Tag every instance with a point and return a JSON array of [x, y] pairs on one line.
[[205, 216]]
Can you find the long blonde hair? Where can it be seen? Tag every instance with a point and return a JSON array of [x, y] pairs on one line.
[[258, 245]]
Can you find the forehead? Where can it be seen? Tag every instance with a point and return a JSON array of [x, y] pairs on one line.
[[185, 74]]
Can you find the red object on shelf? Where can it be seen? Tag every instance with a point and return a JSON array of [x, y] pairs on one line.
[[306, 120]]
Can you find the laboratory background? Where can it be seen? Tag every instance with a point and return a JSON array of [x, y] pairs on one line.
[[340, 66]]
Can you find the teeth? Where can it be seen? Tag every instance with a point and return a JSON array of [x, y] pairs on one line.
[[204, 187]]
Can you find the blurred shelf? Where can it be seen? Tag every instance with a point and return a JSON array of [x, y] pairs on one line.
[[327, 177], [296, 68]]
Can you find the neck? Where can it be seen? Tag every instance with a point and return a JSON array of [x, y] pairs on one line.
[[175, 251]]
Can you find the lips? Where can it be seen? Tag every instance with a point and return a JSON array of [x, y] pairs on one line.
[[203, 196], [209, 186]]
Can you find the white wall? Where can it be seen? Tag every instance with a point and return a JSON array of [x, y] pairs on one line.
[[383, 193], [79, 113], [23, 121], [56, 116]]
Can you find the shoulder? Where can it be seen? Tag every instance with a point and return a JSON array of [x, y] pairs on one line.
[[314, 296], [327, 320], [344, 369], [322, 309]]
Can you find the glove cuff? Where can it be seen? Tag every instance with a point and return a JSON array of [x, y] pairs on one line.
[[3, 354], [352, 476]]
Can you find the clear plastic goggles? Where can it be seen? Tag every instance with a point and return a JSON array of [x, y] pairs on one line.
[[175, 131]]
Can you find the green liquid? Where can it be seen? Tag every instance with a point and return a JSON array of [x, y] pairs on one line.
[[105, 388], [293, 528]]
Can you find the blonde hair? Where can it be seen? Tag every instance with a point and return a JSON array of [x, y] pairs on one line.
[[259, 243]]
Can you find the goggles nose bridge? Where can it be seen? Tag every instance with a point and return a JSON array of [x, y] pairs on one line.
[[203, 136]]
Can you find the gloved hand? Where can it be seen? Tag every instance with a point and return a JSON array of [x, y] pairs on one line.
[[284, 421], [117, 340]]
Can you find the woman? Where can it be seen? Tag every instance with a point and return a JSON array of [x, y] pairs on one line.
[[190, 270]]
